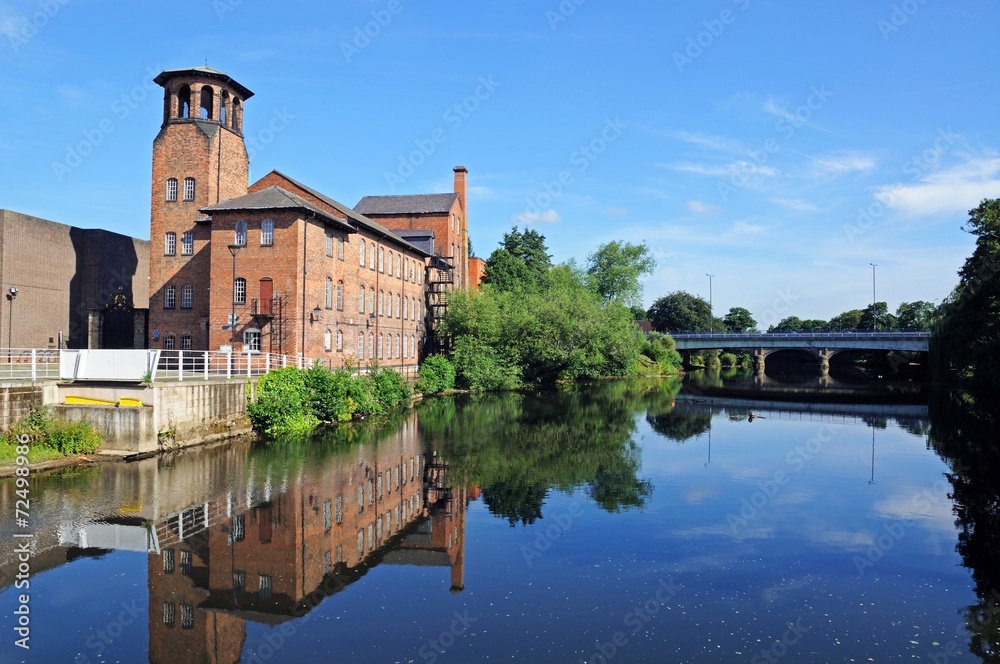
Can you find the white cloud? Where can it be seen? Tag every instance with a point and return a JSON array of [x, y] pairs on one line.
[[699, 207], [711, 170], [951, 191], [796, 204], [546, 217], [842, 162]]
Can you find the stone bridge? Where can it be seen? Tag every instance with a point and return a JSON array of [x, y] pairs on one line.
[[821, 345]]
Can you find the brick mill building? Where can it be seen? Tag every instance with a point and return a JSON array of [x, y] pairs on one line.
[[299, 272]]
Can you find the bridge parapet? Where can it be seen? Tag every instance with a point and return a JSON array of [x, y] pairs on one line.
[[902, 341]]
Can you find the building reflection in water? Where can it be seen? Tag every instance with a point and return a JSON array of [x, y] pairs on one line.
[[272, 547]]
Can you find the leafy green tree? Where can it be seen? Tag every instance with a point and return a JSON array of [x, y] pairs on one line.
[[876, 317], [915, 315], [615, 269], [680, 312], [506, 272], [848, 320], [790, 324], [739, 319], [969, 336], [529, 246]]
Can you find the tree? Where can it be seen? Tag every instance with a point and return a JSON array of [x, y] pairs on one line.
[[915, 315], [615, 269], [739, 320], [507, 272], [681, 312], [848, 320], [529, 246], [790, 324], [881, 319], [970, 330]]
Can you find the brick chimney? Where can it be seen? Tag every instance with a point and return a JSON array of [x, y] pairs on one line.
[[460, 175]]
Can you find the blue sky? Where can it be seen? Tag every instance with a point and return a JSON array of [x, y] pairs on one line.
[[780, 146]]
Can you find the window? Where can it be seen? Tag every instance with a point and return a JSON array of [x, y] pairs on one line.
[[390, 263], [327, 515], [361, 299], [170, 244], [361, 544], [186, 342], [340, 248], [266, 584], [251, 341], [396, 347], [340, 341], [239, 582], [239, 528], [361, 352], [371, 300], [169, 297], [168, 560], [240, 236], [406, 266], [172, 189], [187, 243], [267, 233], [378, 350], [187, 297], [186, 562], [189, 189], [405, 349], [327, 340], [399, 305], [168, 613], [187, 616], [381, 259], [329, 244], [328, 562], [340, 296], [371, 353], [371, 256], [381, 304], [169, 342], [406, 307], [361, 253], [329, 293], [240, 291]]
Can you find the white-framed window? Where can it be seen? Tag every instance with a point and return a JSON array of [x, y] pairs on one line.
[[329, 244], [371, 300], [329, 293], [327, 340], [361, 253], [240, 234], [169, 297], [169, 343], [187, 243], [189, 189], [186, 562], [172, 190], [251, 340], [187, 297], [361, 354], [266, 586], [390, 263], [361, 299], [340, 345], [340, 296], [185, 345], [240, 291], [168, 560], [168, 613], [405, 348], [381, 303], [267, 233], [340, 248], [399, 305], [170, 244], [371, 256], [378, 349], [406, 307]]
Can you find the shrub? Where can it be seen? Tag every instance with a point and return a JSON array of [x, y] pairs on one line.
[[44, 430], [729, 360], [437, 374], [389, 387], [283, 403], [329, 393], [480, 369]]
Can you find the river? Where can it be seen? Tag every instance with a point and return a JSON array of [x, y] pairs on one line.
[[625, 521]]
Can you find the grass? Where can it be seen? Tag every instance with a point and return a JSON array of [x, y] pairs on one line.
[[36, 453]]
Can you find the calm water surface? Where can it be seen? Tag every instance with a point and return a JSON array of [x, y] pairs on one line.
[[620, 522]]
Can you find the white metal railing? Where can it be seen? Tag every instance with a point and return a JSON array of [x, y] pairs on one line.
[[29, 363]]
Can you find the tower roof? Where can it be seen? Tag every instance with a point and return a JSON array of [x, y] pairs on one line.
[[203, 72]]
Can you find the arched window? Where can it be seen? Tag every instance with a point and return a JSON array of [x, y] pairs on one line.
[[340, 341], [169, 342], [361, 299], [398, 305], [390, 263], [381, 303], [371, 300], [237, 121], [169, 297], [371, 256], [189, 189], [395, 347], [340, 296], [184, 101], [172, 190], [340, 248], [267, 232], [240, 291], [378, 352], [361, 345], [224, 108], [327, 340], [185, 345], [240, 234], [329, 293], [371, 345], [170, 244], [207, 103], [361, 253], [381, 260], [406, 302], [405, 348]]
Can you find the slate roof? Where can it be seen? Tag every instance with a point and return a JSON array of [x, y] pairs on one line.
[[206, 71], [411, 204], [273, 198]]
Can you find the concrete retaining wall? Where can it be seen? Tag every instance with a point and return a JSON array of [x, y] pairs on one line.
[[126, 429], [17, 399], [199, 411]]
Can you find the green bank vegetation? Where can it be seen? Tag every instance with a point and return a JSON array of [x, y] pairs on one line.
[[48, 438]]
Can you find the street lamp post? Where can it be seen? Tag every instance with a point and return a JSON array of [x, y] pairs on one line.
[[233, 249], [11, 294], [873, 297], [711, 311]]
